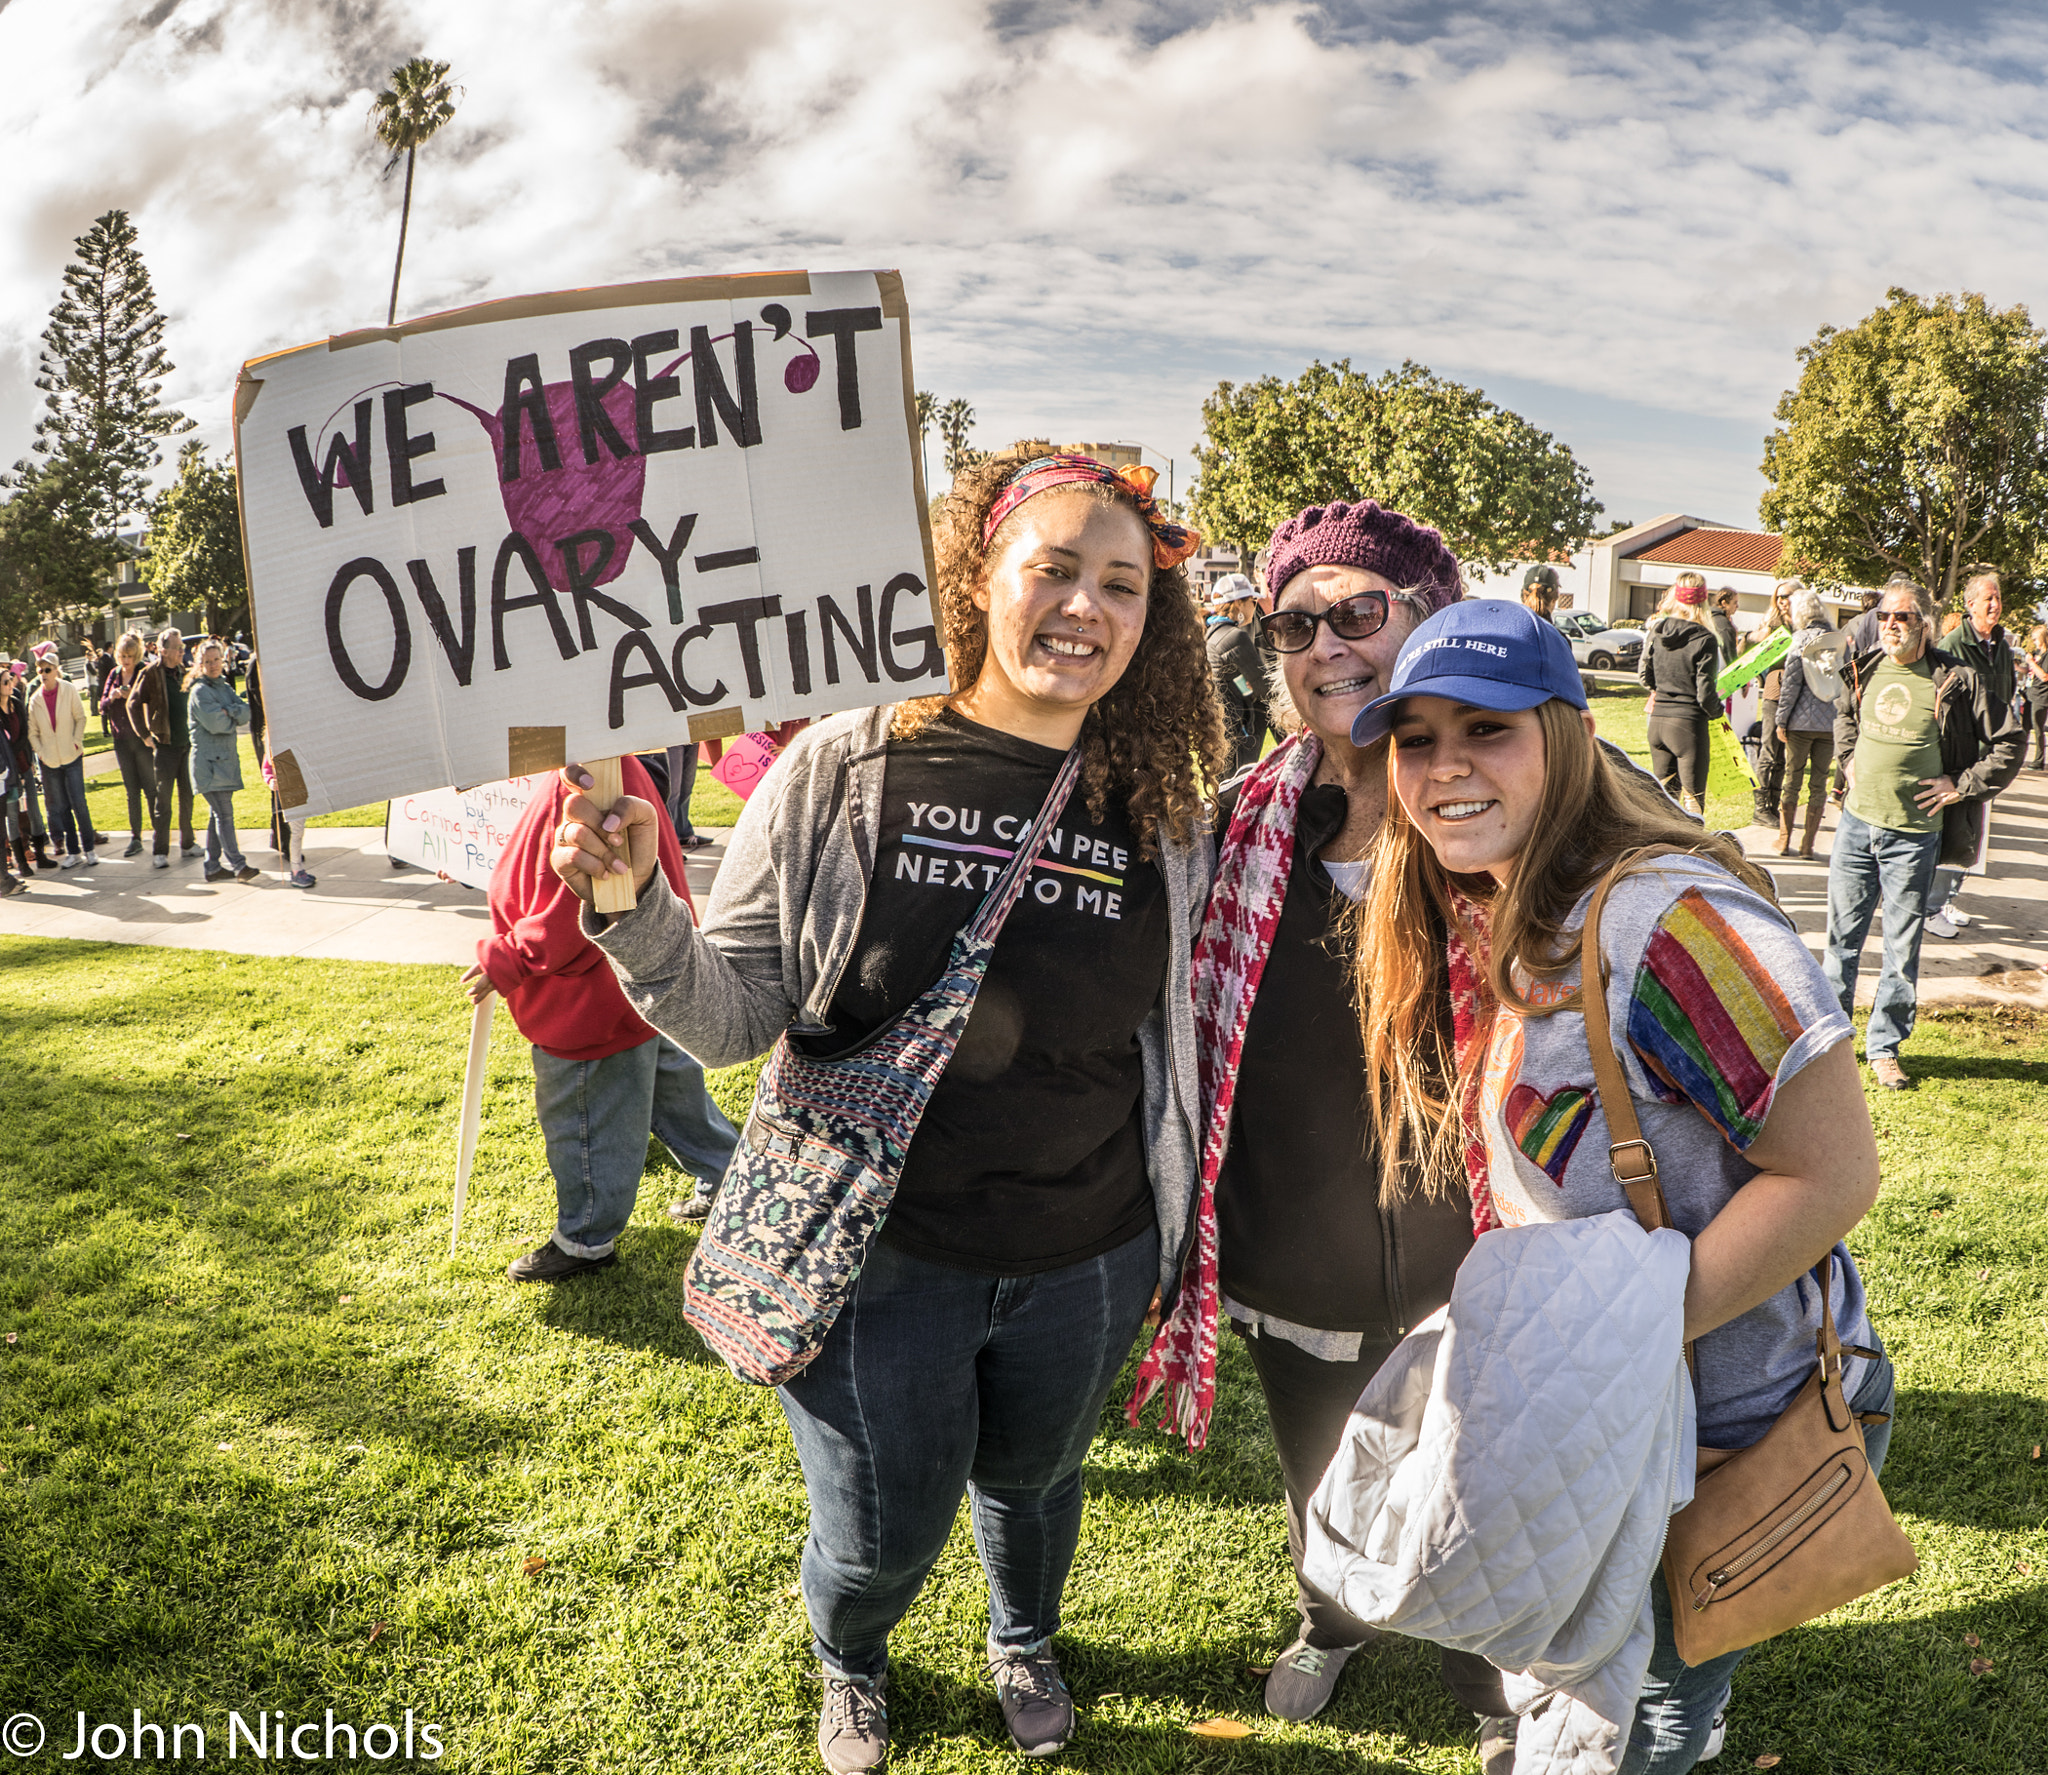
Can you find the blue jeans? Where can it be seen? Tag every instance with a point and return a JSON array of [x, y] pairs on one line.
[[1675, 1712], [595, 1116], [1872, 864], [220, 831], [70, 819], [1948, 882], [937, 1382], [682, 782]]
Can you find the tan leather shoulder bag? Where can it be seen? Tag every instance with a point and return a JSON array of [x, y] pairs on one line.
[[1796, 1524]]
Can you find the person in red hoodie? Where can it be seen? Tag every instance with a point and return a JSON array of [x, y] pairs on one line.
[[602, 1079]]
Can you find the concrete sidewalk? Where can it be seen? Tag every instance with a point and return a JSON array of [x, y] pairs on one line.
[[366, 910]]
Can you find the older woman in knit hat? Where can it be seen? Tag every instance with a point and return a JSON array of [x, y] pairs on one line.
[[1293, 1243]]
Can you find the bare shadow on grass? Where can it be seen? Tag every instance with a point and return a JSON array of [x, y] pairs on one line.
[[1964, 1458]]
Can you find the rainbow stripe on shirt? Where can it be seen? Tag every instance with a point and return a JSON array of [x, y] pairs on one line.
[[1707, 1018]]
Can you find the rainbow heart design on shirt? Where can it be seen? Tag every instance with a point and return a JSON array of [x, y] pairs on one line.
[[1547, 1129]]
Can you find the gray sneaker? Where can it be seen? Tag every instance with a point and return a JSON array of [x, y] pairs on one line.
[[853, 1724], [1034, 1699], [1496, 1745], [1299, 1685]]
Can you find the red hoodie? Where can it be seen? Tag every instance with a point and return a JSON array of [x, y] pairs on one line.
[[556, 983]]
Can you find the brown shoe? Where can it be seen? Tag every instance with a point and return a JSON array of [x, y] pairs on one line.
[[550, 1263], [1890, 1074]]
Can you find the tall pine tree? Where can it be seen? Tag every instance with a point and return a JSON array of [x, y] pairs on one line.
[[102, 373]]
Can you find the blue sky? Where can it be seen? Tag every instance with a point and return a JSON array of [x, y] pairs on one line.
[[1620, 220]]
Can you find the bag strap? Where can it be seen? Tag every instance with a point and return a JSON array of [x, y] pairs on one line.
[[987, 924], [1629, 1155]]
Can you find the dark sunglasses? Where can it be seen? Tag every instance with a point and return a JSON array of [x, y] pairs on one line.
[[1354, 618], [1885, 618]]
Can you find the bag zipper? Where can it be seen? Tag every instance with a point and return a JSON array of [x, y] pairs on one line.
[[1777, 1535]]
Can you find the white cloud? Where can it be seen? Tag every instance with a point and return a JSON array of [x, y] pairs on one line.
[[1100, 211]]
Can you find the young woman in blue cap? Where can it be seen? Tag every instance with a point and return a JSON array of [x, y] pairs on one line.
[[1505, 816]]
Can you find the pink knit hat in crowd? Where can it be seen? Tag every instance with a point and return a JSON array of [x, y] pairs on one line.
[[1370, 536]]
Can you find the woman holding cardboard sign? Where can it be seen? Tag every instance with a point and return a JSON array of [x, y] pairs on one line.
[[970, 1164]]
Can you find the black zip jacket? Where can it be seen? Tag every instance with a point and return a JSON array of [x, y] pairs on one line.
[[1680, 662], [1981, 741]]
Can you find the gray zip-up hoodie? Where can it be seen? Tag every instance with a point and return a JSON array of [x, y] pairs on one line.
[[786, 908]]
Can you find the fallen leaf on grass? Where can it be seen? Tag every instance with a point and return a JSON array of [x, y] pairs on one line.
[[2035, 1456], [1972, 1641], [348, 1300], [533, 1567], [184, 1137], [1980, 1666], [1935, 1213], [1983, 1275], [375, 1633], [2023, 1570], [222, 1447], [1220, 1729], [1769, 1760], [11, 1335], [1262, 1670]]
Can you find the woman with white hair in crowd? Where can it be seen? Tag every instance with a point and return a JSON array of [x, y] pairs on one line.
[[1806, 717]]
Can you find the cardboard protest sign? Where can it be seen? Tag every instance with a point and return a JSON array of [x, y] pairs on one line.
[[743, 764], [571, 526], [458, 832]]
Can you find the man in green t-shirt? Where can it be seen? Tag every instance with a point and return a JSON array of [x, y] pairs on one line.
[[1923, 737]]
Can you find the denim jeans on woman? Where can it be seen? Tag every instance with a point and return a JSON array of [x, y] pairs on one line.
[[1675, 1713], [1873, 867], [937, 1382], [220, 832], [595, 1116], [70, 817]]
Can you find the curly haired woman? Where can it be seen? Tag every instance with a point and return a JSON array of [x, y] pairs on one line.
[[1044, 1200]]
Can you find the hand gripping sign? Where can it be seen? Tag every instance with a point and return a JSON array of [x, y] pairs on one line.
[[570, 526]]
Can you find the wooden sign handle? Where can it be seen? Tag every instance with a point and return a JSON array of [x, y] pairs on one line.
[[611, 893]]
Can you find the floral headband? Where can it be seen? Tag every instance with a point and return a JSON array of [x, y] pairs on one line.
[[1171, 543]]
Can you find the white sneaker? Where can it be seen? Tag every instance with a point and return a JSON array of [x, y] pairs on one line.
[[1942, 924], [1955, 914], [67, 862], [1717, 1738]]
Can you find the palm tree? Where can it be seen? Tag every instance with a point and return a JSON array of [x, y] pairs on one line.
[[955, 421], [407, 113], [927, 413]]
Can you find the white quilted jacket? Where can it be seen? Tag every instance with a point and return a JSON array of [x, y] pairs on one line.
[[1507, 1477]]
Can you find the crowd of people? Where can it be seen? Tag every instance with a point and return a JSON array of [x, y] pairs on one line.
[[176, 725], [1164, 1029]]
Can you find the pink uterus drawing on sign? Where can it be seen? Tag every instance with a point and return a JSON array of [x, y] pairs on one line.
[[548, 504]]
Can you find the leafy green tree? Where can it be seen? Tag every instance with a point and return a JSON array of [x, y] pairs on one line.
[[955, 420], [51, 565], [407, 114], [101, 373], [194, 558], [1499, 489], [1916, 442]]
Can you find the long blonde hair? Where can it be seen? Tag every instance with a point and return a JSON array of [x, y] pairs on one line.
[[1590, 815], [197, 669]]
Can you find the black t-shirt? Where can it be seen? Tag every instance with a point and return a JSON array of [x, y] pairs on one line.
[[1300, 1231], [1031, 1154]]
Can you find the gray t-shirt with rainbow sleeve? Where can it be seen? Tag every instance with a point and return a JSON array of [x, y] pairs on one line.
[[1714, 1002]]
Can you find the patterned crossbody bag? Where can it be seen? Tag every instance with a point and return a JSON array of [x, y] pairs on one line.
[[823, 1147]]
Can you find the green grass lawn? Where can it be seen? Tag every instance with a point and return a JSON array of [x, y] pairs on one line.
[[711, 803], [1618, 710], [264, 1444]]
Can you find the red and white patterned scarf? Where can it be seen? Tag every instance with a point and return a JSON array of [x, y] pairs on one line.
[[1230, 959]]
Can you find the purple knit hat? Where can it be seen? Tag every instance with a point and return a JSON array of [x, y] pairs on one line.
[[1370, 536]]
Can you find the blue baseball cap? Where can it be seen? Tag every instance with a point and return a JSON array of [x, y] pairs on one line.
[[1489, 652]]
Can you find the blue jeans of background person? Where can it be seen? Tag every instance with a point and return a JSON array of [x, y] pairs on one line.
[[1948, 882], [70, 818], [138, 777], [682, 782], [937, 1382], [220, 832], [1675, 1712], [595, 1116], [1873, 866]]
